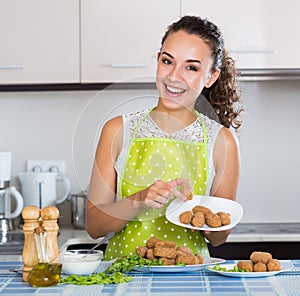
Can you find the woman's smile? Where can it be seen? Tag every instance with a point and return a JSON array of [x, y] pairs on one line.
[[174, 91]]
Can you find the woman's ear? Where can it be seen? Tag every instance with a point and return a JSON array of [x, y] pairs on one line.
[[213, 77]]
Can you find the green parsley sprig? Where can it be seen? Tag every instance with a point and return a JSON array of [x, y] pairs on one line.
[[100, 278], [128, 262], [218, 267]]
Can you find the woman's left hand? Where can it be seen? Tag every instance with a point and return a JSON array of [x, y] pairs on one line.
[[216, 238]]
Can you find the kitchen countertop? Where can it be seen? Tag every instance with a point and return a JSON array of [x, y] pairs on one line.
[[201, 282], [191, 284], [265, 232], [243, 232]]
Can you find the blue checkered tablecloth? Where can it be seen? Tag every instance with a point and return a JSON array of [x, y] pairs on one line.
[[198, 283]]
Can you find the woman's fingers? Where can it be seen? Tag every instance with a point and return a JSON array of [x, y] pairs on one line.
[[159, 193], [182, 188], [178, 194]]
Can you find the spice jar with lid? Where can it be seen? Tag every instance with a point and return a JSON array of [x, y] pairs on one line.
[[45, 273]]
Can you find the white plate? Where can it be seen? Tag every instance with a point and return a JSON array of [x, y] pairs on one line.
[[176, 268], [244, 274], [215, 204]]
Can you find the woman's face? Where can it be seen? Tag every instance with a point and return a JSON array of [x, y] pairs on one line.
[[183, 69]]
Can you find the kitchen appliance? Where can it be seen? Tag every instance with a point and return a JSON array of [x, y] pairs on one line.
[[78, 209], [9, 196], [41, 188]]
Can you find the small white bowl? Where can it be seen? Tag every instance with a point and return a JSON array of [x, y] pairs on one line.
[[81, 262]]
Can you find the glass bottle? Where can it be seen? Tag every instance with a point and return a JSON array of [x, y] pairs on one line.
[[45, 273]]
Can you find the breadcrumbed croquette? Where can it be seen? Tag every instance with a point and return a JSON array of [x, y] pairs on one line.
[[200, 259], [259, 267], [202, 209], [225, 218], [273, 265], [262, 257], [142, 251], [150, 254], [213, 220], [186, 217], [190, 196], [198, 219], [169, 253], [165, 244], [209, 218], [167, 261], [184, 250], [245, 265], [186, 190], [151, 242], [188, 260]]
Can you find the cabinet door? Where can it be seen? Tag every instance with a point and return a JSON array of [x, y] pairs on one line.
[[120, 39], [39, 41], [258, 33]]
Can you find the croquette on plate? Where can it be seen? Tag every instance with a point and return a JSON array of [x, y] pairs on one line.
[[245, 265], [262, 257], [187, 260], [213, 220], [184, 250], [151, 242], [169, 253], [273, 265], [202, 209], [225, 218], [165, 244], [142, 251], [186, 217], [259, 267], [198, 219]]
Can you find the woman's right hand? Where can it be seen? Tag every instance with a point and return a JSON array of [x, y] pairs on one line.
[[159, 193]]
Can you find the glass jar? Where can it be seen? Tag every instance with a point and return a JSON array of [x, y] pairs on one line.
[[45, 273]]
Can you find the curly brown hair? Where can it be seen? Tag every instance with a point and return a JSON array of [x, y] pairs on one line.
[[224, 95]]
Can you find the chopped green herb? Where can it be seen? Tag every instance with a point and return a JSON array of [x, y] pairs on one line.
[[128, 262], [218, 267], [100, 278]]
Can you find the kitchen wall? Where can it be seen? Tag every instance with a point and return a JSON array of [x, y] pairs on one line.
[[65, 126]]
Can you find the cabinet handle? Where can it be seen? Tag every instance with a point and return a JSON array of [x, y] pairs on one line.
[[8, 67], [247, 51], [129, 65]]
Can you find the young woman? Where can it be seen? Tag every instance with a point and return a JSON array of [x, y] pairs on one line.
[[143, 159]]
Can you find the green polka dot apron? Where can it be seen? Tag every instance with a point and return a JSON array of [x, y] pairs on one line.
[[149, 160]]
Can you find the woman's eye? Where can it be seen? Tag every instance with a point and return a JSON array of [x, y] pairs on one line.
[[192, 68], [166, 61]]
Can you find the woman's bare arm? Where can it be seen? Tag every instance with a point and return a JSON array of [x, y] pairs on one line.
[[227, 165], [104, 214]]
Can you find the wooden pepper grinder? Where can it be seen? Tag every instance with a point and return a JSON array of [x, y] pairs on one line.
[[31, 217], [49, 217]]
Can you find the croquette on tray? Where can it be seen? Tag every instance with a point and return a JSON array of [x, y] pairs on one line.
[[168, 252]]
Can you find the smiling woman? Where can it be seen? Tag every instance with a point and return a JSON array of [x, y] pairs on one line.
[[183, 69], [144, 159]]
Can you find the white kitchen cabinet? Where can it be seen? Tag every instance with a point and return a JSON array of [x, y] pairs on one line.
[[39, 41], [259, 34], [120, 39]]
